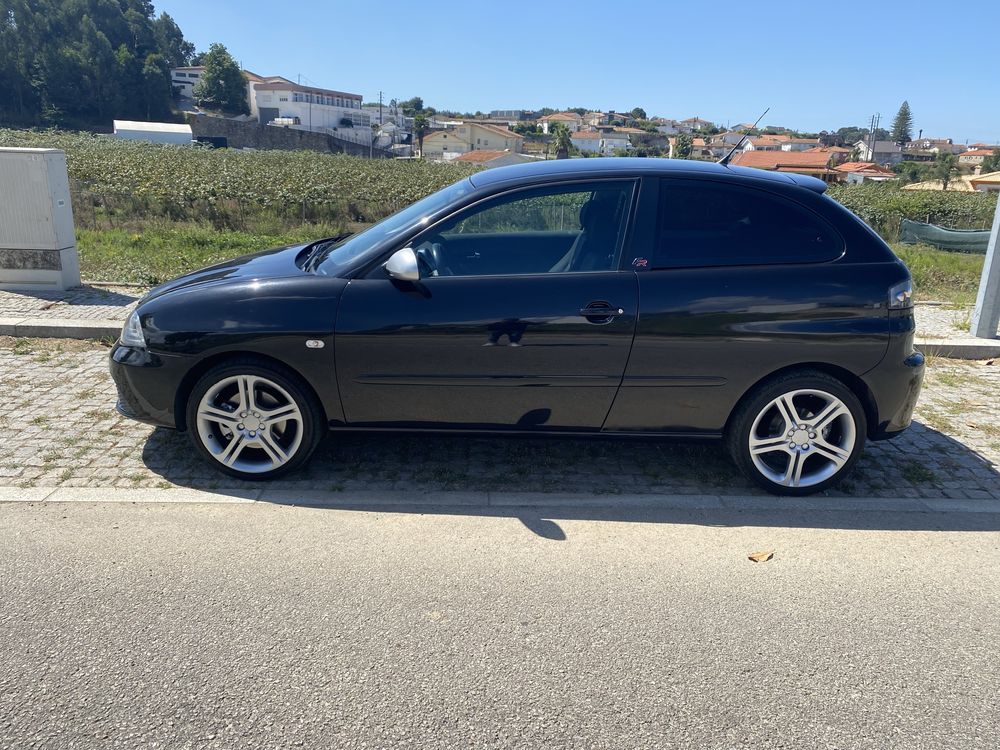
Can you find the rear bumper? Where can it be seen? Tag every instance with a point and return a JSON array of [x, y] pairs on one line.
[[146, 383], [895, 385]]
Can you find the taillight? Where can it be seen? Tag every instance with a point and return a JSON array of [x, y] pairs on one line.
[[901, 295]]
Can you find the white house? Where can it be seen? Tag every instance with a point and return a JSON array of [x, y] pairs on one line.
[[184, 79], [571, 120], [278, 98], [884, 152], [154, 132], [604, 143], [470, 136], [316, 108], [800, 144]]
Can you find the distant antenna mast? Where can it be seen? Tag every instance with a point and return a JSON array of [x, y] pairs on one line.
[[724, 161]]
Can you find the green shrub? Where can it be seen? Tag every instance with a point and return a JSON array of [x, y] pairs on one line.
[[883, 205]]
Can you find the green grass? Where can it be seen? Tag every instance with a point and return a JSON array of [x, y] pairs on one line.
[[942, 275], [161, 252]]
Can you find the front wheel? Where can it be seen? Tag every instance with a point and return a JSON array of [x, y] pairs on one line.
[[253, 420], [798, 434]]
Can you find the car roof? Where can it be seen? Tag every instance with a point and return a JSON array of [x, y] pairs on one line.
[[631, 166]]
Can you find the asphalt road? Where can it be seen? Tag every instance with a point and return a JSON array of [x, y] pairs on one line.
[[267, 626]]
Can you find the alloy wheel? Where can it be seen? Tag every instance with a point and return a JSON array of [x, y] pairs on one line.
[[250, 423], [802, 438]]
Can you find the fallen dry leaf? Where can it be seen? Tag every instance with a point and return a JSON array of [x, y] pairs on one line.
[[761, 556]]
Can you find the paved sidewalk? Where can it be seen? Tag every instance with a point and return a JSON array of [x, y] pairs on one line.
[[89, 302], [87, 312], [57, 411]]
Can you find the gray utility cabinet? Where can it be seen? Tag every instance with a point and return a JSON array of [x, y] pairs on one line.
[[37, 240]]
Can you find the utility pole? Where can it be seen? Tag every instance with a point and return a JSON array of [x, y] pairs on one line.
[[380, 108], [986, 313]]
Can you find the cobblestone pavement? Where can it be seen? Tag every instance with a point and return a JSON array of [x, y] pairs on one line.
[[87, 302], [60, 428]]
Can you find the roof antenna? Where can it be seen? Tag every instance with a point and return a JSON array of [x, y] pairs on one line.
[[724, 161]]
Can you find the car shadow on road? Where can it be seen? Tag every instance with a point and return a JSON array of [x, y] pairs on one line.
[[601, 479]]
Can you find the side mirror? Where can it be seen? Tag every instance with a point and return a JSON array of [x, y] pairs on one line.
[[402, 265]]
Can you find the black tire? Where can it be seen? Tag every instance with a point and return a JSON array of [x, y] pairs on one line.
[[312, 425], [753, 405]]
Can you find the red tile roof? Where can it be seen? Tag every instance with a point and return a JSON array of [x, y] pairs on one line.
[[480, 156], [862, 166], [976, 152], [586, 135], [781, 160]]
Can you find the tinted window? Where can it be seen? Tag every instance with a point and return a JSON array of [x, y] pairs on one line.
[[703, 223], [560, 229]]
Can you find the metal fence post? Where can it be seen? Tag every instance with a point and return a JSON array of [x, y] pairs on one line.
[[986, 315]]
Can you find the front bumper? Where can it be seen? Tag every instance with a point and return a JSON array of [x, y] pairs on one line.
[[147, 384]]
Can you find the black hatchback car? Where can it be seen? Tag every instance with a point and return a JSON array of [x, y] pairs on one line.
[[614, 296]]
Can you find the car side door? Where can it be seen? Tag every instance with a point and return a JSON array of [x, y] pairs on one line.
[[521, 320]]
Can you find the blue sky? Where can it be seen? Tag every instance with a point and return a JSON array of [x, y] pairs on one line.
[[817, 65]]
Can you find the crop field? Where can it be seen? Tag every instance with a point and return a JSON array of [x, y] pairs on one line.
[[883, 205], [147, 212], [116, 183]]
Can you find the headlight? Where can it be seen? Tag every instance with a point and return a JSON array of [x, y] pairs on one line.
[[132, 332]]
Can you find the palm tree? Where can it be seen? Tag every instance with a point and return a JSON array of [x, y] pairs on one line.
[[420, 128], [561, 140], [945, 166]]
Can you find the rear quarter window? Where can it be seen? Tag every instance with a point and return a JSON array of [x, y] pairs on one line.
[[705, 223]]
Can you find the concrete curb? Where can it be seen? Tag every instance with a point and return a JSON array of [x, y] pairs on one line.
[[369, 500], [60, 328], [959, 348]]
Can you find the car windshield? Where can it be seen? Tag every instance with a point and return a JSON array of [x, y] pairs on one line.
[[332, 257]]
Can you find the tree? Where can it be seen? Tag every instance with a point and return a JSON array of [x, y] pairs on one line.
[[683, 146], [80, 63], [156, 86], [222, 85], [945, 167], [639, 113], [902, 125], [562, 142], [992, 162], [420, 128], [411, 107], [176, 50]]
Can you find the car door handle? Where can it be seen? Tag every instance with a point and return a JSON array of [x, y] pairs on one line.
[[601, 312]]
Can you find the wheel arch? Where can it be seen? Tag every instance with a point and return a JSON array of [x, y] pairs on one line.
[[194, 374], [857, 386]]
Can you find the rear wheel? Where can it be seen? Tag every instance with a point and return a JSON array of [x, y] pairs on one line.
[[253, 420], [798, 434]]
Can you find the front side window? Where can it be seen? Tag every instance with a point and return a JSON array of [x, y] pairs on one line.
[[332, 257], [705, 223], [562, 229]]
